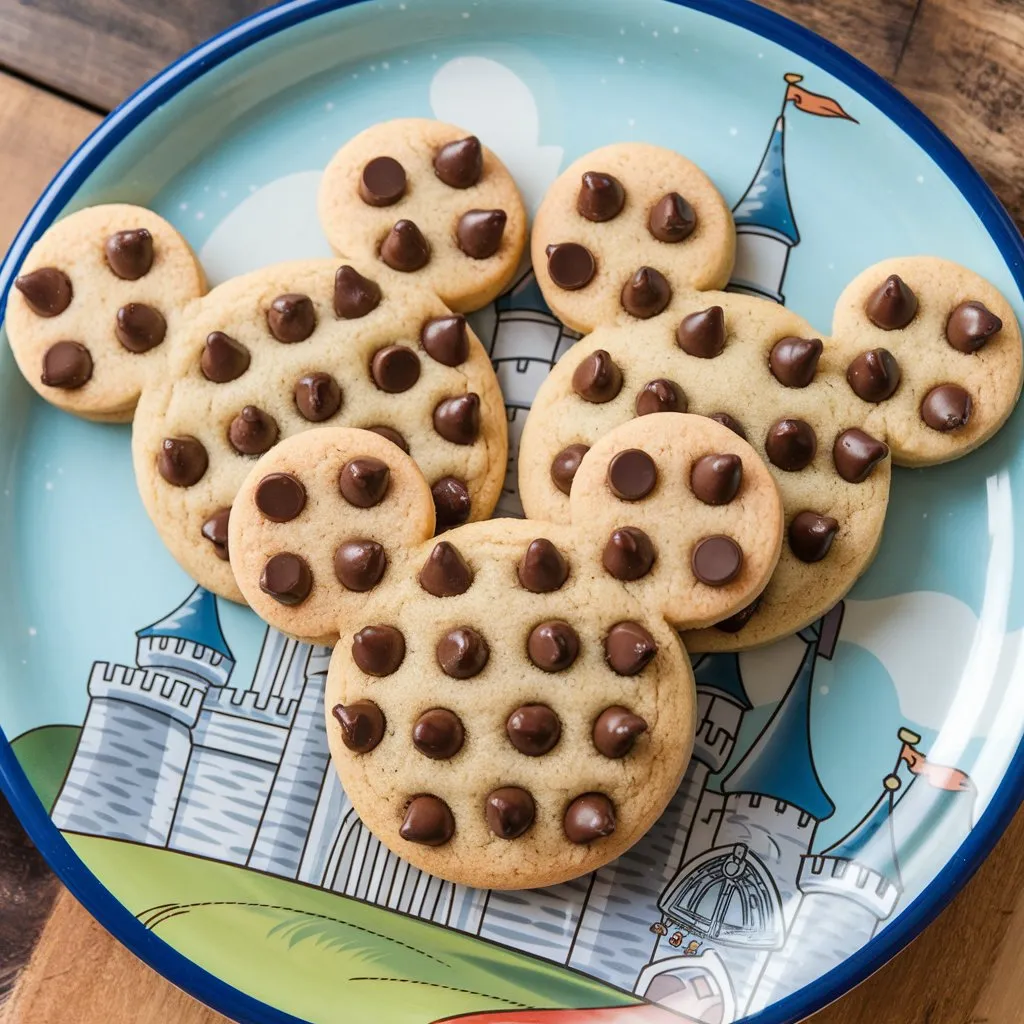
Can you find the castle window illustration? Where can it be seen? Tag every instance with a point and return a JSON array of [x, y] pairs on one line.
[[726, 905]]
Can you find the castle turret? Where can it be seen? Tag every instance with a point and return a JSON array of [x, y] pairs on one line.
[[613, 940], [765, 226], [127, 772]]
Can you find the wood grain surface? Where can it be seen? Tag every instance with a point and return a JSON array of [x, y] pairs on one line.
[[65, 62]]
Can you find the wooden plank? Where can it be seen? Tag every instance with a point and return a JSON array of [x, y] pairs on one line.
[[38, 132], [77, 964], [964, 67]]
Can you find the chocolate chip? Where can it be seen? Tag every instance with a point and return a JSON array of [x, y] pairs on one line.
[[460, 164], [553, 646], [565, 464], [794, 361], [462, 653], [291, 317], [438, 734], [446, 339], [215, 530], [359, 564], [286, 578], [317, 396], [632, 474], [892, 304], [543, 568], [458, 419], [480, 232], [727, 421], [363, 481], [509, 811], [616, 730], [428, 821], [405, 248], [378, 650], [874, 375], [672, 219], [533, 729], [130, 253], [280, 497], [791, 444], [646, 293], [856, 454], [182, 461], [597, 379], [702, 334], [395, 368], [362, 725], [970, 325], [717, 560], [946, 407], [223, 358], [736, 622], [252, 431], [391, 435], [452, 503], [67, 365], [716, 479], [629, 648], [660, 396], [570, 265], [600, 198], [47, 291], [382, 182], [139, 328], [589, 817], [445, 572], [811, 535], [355, 296], [629, 554]]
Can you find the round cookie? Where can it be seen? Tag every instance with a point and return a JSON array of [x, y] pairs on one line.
[[313, 344], [625, 232], [429, 201], [946, 328], [508, 705], [91, 313], [735, 335]]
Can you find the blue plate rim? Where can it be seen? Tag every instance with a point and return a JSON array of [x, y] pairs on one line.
[[102, 903]]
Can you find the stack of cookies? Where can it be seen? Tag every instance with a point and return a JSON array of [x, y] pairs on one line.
[[510, 702]]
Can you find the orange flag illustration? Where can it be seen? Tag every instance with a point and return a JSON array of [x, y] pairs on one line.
[[938, 775], [812, 102]]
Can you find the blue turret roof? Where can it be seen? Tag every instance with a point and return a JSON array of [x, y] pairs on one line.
[[765, 204], [780, 764], [195, 619], [525, 294], [721, 673], [871, 842]]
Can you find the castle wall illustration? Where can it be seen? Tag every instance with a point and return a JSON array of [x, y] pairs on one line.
[[729, 903]]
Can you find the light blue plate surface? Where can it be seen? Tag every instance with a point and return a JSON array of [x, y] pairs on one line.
[[925, 676]]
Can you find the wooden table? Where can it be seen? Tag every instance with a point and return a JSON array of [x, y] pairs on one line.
[[64, 63]]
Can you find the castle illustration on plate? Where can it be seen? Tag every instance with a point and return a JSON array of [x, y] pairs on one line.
[[720, 910]]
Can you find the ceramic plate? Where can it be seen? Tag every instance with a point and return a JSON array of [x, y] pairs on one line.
[[846, 782]]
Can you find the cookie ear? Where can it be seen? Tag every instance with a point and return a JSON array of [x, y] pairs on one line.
[[624, 229], [683, 511], [933, 354], [321, 520], [99, 297], [308, 344], [427, 200]]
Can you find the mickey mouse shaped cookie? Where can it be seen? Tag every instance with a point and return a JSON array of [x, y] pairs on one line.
[[508, 705], [108, 320], [924, 365]]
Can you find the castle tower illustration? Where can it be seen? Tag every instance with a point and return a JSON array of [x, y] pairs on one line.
[[739, 896], [128, 769]]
